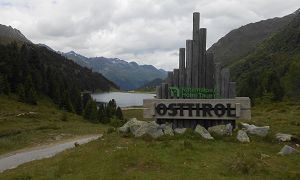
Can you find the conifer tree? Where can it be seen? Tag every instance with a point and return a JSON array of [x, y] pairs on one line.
[[90, 111], [21, 93], [31, 96], [119, 113], [66, 103], [101, 114], [111, 108], [1, 84], [54, 90], [86, 97], [30, 93], [4, 85], [76, 100]]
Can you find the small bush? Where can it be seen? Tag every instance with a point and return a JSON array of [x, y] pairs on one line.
[[114, 122], [111, 130], [244, 164], [190, 134], [187, 144], [48, 127], [282, 111], [10, 132], [269, 138], [147, 138], [295, 123], [64, 117], [24, 177]]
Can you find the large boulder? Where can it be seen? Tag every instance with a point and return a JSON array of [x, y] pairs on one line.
[[167, 129], [150, 128], [252, 129], [180, 130], [221, 130], [131, 126], [286, 150], [136, 126], [242, 136], [283, 137], [139, 131], [153, 129], [140, 128], [203, 132]]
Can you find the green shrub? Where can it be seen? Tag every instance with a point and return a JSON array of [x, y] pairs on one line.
[[187, 144], [243, 163], [10, 132], [64, 117], [116, 122], [48, 127], [110, 130], [190, 134]]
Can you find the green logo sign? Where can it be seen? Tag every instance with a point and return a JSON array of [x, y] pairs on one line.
[[193, 93]]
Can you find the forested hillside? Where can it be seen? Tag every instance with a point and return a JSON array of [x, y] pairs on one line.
[[150, 86], [239, 42], [273, 69], [30, 71]]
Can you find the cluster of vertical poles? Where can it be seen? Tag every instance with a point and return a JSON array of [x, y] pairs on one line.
[[197, 68]]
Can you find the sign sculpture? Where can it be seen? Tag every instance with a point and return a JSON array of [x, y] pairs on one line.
[[199, 92]]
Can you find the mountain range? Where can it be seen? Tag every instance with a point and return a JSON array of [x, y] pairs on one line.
[[151, 86], [242, 41], [9, 34], [264, 57], [130, 75]]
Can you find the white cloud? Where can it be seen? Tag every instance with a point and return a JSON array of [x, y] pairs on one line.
[[147, 31]]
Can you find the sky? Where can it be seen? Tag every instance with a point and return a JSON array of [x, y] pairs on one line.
[[145, 31]]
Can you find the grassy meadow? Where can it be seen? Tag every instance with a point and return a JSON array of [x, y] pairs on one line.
[[186, 156], [45, 124]]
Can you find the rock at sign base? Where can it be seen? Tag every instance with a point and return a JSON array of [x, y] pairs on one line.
[[286, 150], [203, 132], [134, 127], [242, 136], [252, 129], [131, 126], [150, 128], [179, 130], [140, 128], [283, 137], [153, 129], [229, 129], [221, 130], [168, 130], [126, 127]]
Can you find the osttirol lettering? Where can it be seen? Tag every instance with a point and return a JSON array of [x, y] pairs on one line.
[[161, 109], [197, 109]]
